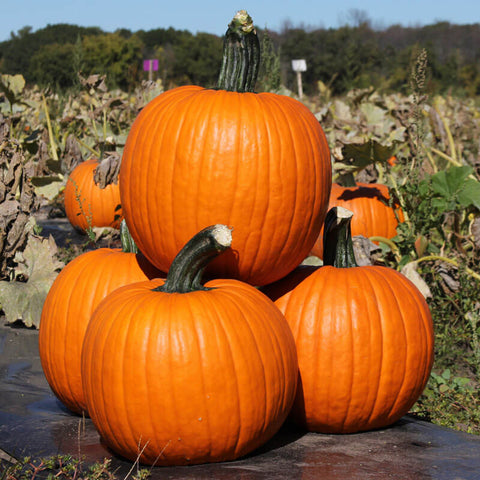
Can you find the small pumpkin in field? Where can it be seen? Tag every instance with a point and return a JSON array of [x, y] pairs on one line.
[[86, 204], [74, 295], [364, 339], [263, 158], [176, 372], [373, 215]]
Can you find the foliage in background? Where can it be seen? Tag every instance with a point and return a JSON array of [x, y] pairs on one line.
[[352, 56]]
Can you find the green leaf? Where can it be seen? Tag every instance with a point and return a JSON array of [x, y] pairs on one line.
[[470, 194], [449, 182], [443, 388], [24, 300], [456, 188], [440, 184], [363, 154], [12, 86], [446, 374]]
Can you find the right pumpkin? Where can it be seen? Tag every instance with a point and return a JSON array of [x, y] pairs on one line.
[[364, 338], [373, 216]]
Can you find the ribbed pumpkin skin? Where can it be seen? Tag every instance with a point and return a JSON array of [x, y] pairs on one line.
[[259, 163], [372, 217], [100, 204], [75, 293], [364, 339], [198, 377]]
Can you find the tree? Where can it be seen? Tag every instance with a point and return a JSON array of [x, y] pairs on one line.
[[52, 66], [117, 57]]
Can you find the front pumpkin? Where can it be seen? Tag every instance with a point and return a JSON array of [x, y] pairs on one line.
[[259, 163], [177, 373], [364, 339]]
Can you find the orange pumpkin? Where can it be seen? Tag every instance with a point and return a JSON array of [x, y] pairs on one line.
[[74, 295], [373, 216], [176, 372], [259, 163], [364, 340], [86, 204]]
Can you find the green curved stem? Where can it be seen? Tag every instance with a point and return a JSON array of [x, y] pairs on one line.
[[337, 239], [185, 273], [241, 55]]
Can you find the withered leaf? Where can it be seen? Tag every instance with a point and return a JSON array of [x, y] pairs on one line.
[[23, 300]]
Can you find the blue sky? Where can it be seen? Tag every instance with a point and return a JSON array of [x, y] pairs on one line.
[[213, 15]]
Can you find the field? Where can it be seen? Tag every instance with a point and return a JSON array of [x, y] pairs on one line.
[[435, 177]]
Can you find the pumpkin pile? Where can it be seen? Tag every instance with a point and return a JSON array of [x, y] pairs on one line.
[[227, 190]]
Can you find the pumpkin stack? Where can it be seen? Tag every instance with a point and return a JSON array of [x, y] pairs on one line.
[[232, 185]]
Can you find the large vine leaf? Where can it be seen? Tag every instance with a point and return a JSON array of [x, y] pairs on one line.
[[456, 187], [23, 300]]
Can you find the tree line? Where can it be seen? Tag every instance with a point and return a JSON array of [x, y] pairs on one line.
[[351, 56]]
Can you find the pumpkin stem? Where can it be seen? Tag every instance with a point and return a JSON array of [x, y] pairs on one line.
[[241, 55], [186, 271], [128, 243], [348, 180], [337, 239]]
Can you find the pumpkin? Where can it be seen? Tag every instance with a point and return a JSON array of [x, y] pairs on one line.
[[364, 340], [373, 216], [74, 295], [86, 204], [178, 372], [259, 163]]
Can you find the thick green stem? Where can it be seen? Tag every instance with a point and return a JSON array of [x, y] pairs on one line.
[[185, 273], [241, 55], [337, 239], [128, 243]]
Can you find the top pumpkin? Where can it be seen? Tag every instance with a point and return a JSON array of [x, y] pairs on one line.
[[259, 163]]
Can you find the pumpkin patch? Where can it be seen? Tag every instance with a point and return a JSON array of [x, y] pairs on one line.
[[227, 190]]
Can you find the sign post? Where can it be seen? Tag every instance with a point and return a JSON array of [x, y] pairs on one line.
[[150, 66], [299, 66]]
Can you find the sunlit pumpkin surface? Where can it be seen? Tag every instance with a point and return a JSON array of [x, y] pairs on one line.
[[258, 163]]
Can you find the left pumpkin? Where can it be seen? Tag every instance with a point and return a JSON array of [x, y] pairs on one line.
[[88, 205], [73, 297], [259, 163]]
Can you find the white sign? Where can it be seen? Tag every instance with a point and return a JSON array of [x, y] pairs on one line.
[[299, 65]]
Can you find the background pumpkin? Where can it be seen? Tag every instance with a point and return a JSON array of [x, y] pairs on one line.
[[88, 205], [373, 216], [74, 295], [257, 162], [364, 340], [178, 373]]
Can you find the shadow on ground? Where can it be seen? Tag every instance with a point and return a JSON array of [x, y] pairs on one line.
[[33, 422]]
